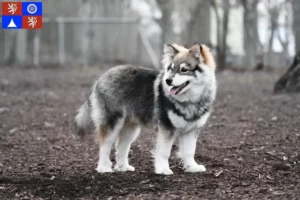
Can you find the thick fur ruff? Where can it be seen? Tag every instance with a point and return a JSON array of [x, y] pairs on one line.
[[178, 100]]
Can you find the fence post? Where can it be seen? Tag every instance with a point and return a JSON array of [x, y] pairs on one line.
[[149, 49], [36, 48], [61, 40]]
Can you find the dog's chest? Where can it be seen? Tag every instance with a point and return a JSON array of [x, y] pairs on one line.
[[189, 116], [180, 123]]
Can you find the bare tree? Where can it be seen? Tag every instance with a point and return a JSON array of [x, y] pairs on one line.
[[274, 8], [10, 47], [108, 41], [166, 23], [222, 31], [287, 27], [296, 18], [273, 11], [15, 47], [85, 11], [194, 16], [252, 43]]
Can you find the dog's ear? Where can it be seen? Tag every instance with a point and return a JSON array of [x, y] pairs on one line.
[[170, 52], [195, 51], [207, 56]]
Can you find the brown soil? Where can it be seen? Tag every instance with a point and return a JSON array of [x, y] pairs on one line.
[[250, 145]]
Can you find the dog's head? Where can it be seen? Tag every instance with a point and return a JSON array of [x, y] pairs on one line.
[[187, 70]]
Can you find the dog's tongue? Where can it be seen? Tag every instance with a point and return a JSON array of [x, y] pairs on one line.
[[174, 90]]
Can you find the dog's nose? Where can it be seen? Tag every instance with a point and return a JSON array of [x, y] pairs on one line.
[[169, 81]]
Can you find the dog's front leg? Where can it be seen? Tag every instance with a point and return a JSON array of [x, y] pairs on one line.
[[187, 143], [164, 144]]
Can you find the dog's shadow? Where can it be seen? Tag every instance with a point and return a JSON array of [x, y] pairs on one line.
[[94, 184]]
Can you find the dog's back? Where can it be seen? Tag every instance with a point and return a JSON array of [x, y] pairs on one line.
[[123, 90]]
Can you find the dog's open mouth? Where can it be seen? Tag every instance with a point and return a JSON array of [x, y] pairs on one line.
[[176, 89]]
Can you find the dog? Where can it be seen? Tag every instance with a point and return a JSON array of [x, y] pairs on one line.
[[177, 101]]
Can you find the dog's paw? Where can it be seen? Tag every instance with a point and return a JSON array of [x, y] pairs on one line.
[[195, 168], [104, 169], [164, 171], [124, 168]]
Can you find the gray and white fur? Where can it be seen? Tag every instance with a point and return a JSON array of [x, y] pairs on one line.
[[178, 100]]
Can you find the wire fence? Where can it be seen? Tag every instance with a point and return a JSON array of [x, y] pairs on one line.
[[84, 41]]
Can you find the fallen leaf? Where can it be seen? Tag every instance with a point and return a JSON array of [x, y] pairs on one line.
[[14, 130], [49, 125], [278, 193], [146, 181], [217, 174], [4, 109], [260, 119]]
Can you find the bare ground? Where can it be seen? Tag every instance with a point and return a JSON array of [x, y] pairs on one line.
[[250, 145]]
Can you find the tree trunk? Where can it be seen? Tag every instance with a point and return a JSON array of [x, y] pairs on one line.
[[21, 51], [296, 17], [195, 28], [15, 47], [250, 32], [274, 15], [218, 32], [10, 44], [166, 23], [222, 32], [108, 43], [84, 29], [271, 38], [223, 47], [285, 40], [284, 44], [290, 80]]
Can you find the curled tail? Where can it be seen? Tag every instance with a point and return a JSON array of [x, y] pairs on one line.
[[83, 120]]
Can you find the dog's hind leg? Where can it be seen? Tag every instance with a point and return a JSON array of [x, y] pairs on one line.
[[164, 144], [107, 137], [187, 144], [127, 136]]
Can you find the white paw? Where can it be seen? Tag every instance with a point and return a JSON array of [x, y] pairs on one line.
[[164, 171], [104, 169], [124, 168], [195, 168]]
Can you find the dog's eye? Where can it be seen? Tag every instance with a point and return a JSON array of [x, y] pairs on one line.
[[183, 70]]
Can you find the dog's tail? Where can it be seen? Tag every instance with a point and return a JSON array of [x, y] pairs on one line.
[[83, 120]]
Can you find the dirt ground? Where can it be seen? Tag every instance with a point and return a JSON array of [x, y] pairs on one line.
[[250, 145]]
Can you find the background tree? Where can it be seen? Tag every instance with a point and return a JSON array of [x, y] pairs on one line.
[[184, 22], [274, 9], [194, 20], [290, 80], [296, 20], [222, 31], [166, 23], [251, 40], [286, 27]]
